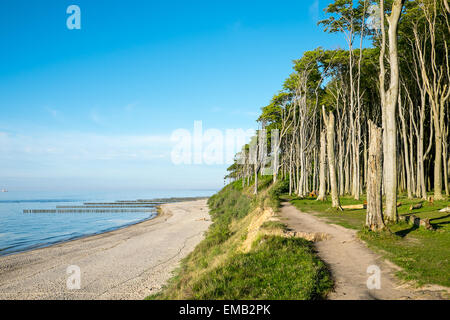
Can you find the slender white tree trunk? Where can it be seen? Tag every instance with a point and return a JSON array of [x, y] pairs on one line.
[[406, 150], [323, 163], [389, 100], [374, 216], [330, 125]]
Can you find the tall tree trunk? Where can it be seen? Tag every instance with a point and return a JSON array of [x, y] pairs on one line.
[[374, 216], [406, 150], [411, 154], [421, 158], [445, 157], [341, 169], [438, 163], [365, 160], [447, 6], [357, 142], [330, 123], [323, 163], [389, 100], [255, 189]]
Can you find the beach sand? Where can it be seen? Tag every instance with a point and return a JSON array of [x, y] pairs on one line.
[[130, 263]]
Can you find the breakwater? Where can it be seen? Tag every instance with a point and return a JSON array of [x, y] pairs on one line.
[[120, 206]]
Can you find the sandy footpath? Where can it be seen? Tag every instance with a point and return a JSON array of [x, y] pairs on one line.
[[129, 263], [349, 258]]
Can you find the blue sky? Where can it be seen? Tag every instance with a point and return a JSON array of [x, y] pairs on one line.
[[95, 108]]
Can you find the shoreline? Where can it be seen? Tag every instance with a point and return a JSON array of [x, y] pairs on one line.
[[44, 246], [152, 217], [127, 263]]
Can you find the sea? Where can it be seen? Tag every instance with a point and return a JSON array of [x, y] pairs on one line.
[[21, 231]]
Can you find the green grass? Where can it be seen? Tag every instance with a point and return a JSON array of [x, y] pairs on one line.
[[274, 268], [277, 268], [423, 255], [274, 225], [221, 239], [349, 219]]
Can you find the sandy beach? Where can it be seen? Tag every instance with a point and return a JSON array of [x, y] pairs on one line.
[[130, 263]]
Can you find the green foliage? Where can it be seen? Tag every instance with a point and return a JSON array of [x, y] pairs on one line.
[[228, 204], [274, 193], [280, 187], [264, 182], [344, 16], [272, 113]]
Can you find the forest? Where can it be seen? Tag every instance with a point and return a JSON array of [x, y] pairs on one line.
[[369, 119]]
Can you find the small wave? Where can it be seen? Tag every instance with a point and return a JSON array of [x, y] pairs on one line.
[[122, 221]]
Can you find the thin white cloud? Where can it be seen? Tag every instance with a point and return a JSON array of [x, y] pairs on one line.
[[78, 146], [252, 114], [234, 111], [216, 109], [54, 113], [130, 107], [314, 10], [95, 117]]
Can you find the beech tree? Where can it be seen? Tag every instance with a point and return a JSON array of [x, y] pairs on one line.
[[335, 102], [389, 100]]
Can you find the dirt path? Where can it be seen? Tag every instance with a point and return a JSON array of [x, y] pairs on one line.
[[129, 263], [348, 259]]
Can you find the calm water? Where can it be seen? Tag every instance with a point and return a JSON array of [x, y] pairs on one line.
[[21, 232]]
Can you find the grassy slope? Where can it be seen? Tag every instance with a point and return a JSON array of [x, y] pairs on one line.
[[274, 268], [424, 255]]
